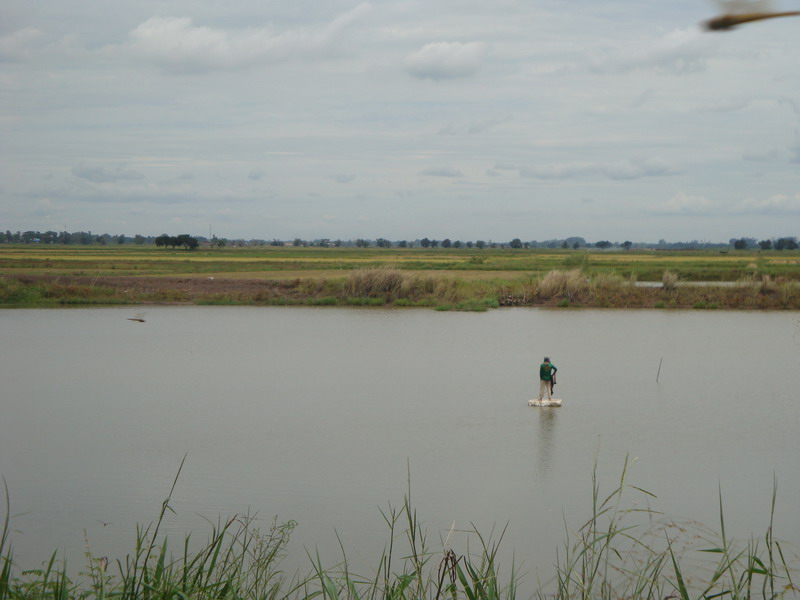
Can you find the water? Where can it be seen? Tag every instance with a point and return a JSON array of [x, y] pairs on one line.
[[319, 415]]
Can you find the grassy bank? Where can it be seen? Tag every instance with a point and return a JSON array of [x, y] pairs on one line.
[[446, 279], [396, 288], [286, 263], [621, 551]]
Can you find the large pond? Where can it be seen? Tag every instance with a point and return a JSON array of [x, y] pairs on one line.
[[319, 415]]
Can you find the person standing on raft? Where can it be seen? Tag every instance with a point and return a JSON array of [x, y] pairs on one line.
[[547, 378]]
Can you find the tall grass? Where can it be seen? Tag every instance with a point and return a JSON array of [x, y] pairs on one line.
[[624, 550]]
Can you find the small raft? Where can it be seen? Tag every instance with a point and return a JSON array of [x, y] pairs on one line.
[[545, 402]]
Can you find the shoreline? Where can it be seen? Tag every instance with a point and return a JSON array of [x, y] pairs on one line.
[[394, 288]]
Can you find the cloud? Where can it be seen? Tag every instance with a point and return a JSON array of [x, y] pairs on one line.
[[442, 172], [473, 128], [19, 45], [256, 174], [687, 205], [343, 177], [176, 44], [780, 204], [446, 60], [106, 174], [679, 52], [684, 204], [631, 169]]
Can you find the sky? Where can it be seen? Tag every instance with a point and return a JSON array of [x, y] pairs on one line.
[[532, 119]]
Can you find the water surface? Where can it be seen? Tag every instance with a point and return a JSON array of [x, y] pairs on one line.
[[318, 415]]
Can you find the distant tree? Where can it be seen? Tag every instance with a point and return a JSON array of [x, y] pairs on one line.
[[298, 242], [187, 241], [402, 244], [740, 244], [627, 244], [603, 244], [446, 243], [337, 243], [565, 244], [434, 244], [516, 243], [362, 243], [786, 243], [425, 243], [575, 245], [383, 243], [470, 244], [457, 244], [765, 244], [163, 240], [138, 239], [480, 244]]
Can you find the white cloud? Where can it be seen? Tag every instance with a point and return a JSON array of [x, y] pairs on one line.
[[442, 172], [19, 45], [629, 169], [343, 177], [446, 60], [473, 128], [177, 44], [106, 174], [679, 51], [781, 204], [685, 204]]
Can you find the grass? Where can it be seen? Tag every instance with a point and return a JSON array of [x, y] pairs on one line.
[[644, 265], [620, 551], [447, 279]]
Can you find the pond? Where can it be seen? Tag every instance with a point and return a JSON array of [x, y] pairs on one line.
[[328, 416]]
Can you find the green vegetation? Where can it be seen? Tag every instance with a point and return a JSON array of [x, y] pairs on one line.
[[444, 278], [621, 551]]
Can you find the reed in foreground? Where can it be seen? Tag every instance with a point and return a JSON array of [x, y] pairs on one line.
[[621, 551]]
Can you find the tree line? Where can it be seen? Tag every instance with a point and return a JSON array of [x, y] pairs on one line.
[[190, 242]]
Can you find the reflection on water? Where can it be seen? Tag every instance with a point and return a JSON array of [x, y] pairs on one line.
[[548, 420], [318, 415]]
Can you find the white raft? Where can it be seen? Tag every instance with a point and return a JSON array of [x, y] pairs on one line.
[[545, 402]]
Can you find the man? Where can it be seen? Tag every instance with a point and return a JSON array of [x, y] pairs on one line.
[[547, 371]]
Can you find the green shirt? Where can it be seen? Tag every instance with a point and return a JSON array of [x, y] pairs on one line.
[[546, 371]]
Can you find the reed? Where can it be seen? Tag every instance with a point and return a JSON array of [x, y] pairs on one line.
[[625, 549]]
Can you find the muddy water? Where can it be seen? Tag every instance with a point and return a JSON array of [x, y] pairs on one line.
[[319, 415]]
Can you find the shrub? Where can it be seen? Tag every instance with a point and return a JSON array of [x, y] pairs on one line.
[[372, 283], [669, 280]]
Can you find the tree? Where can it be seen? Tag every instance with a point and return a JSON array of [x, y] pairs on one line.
[[516, 243], [425, 243], [402, 244], [627, 244], [187, 241], [765, 244], [740, 244], [457, 244], [603, 244], [362, 243], [446, 243], [434, 244], [383, 243], [786, 243], [480, 244]]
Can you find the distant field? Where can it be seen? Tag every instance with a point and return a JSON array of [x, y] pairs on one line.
[[290, 262]]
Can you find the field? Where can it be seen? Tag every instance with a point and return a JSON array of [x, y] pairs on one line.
[[443, 278]]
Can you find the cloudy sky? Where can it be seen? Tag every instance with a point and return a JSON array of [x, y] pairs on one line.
[[537, 119]]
